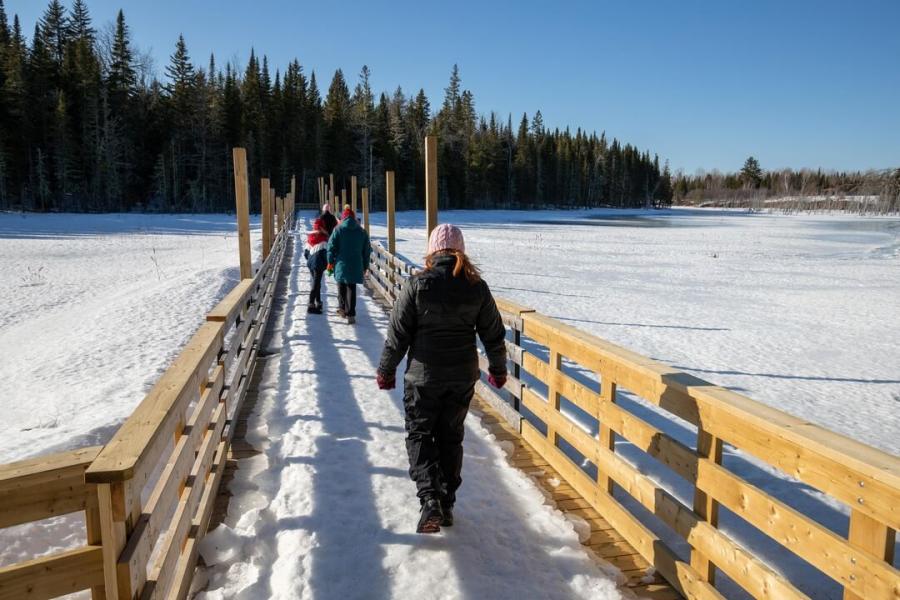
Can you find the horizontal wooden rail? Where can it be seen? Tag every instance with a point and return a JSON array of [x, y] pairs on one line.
[[861, 477], [40, 488]]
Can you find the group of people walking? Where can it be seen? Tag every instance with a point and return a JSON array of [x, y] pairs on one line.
[[434, 324], [342, 249]]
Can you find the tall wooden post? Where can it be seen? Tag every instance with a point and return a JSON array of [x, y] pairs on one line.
[[279, 208], [242, 201], [391, 221], [353, 193], [293, 197], [331, 190], [343, 199], [321, 181], [365, 208], [431, 185], [266, 202]]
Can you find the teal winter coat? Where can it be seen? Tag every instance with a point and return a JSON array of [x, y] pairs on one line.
[[348, 251]]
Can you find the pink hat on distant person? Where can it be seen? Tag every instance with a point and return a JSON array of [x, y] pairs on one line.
[[446, 237], [326, 208]]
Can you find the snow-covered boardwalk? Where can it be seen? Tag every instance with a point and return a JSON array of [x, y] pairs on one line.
[[326, 510]]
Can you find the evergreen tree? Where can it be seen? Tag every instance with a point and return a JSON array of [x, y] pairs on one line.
[[751, 173]]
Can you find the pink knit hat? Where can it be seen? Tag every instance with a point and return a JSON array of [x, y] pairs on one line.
[[446, 237]]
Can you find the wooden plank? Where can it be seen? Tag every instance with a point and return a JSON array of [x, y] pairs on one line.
[[54, 575], [872, 536], [242, 205], [134, 558], [854, 473], [740, 565], [163, 570], [228, 308], [676, 572], [607, 436], [497, 403], [353, 193], [365, 208], [709, 447], [46, 486], [391, 217], [136, 446], [184, 570], [266, 211], [431, 185]]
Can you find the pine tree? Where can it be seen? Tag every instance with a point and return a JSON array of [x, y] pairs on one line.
[[339, 145], [121, 79], [751, 173]]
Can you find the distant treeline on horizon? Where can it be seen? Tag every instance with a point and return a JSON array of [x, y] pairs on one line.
[[86, 125]]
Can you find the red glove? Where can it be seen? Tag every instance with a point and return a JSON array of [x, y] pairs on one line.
[[385, 382], [498, 381]]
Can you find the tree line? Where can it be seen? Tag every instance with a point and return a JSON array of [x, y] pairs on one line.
[[752, 186], [86, 124]]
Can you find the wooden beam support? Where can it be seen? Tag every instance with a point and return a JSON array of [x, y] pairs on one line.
[[431, 185], [365, 208], [242, 201], [266, 206], [353, 193], [391, 218]]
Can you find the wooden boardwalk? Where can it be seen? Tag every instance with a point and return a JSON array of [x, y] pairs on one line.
[[605, 541]]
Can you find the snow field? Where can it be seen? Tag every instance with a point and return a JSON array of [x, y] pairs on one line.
[[92, 310], [328, 510]]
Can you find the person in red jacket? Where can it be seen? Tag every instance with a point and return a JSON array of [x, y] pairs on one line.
[[316, 259]]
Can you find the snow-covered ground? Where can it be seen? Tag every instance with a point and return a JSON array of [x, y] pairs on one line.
[[327, 510], [92, 310]]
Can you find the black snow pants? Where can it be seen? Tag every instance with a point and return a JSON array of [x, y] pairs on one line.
[[347, 298], [434, 428], [315, 294]]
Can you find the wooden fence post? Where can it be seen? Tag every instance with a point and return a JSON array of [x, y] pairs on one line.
[[708, 447], [266, 217], [331, 190], [353, 193], [553, 396], [607, 437], [343, 200], [431, 185], [365, 208], [242, 201], [293, 198], [279, 213], [120, 509], [871, 535], [391, 221]]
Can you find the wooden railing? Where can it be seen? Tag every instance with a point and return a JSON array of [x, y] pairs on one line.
[[858, 476], [158, 476], [148, 494], [41, 488]]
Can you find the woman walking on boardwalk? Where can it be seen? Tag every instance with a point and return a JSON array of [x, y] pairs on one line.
[[435, 319], [348, 259]]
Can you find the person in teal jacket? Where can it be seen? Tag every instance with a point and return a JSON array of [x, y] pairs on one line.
[[348, 259]]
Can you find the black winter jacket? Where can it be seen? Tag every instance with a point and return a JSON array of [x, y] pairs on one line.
[[436, 318]]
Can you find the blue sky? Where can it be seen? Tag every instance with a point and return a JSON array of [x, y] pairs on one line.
[[704, 84]]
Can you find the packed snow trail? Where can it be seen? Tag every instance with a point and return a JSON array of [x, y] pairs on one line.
[[327, 509]]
